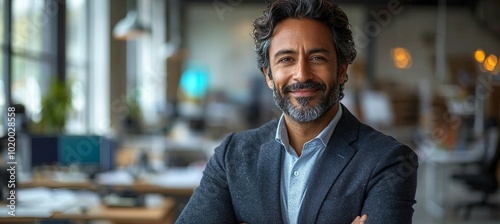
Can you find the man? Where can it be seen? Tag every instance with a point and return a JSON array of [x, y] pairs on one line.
[[317, 163]]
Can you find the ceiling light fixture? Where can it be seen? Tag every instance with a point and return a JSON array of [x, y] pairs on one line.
[[129, 27]]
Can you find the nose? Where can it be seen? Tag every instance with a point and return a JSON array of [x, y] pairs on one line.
[[303, 71]]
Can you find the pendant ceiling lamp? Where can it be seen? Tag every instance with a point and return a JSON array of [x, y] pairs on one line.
[[129, 27]]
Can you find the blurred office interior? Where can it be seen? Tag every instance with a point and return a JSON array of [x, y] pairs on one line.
[[120, 103]]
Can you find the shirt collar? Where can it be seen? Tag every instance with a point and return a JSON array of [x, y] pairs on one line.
[[324, 136]]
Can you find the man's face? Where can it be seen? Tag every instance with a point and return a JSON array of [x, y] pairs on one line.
[[305, 74]]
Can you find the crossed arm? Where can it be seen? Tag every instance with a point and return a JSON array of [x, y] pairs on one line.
[[360, 219]]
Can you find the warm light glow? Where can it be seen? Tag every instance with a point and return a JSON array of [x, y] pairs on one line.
[[479, 55], [490, 62], [401, 57]]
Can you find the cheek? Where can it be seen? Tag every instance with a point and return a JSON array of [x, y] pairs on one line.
[[279, 80], [329, 79]]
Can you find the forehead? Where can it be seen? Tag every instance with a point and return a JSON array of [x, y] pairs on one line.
[[301, 33]]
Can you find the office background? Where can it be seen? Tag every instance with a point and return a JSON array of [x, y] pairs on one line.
[[147, 85]]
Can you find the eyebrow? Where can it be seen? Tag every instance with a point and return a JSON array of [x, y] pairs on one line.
[[311, 51]]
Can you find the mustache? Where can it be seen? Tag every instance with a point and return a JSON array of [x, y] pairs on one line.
[[303, 85]]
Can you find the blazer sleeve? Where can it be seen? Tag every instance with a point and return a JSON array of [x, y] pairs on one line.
[[392, 187], [211, 201]]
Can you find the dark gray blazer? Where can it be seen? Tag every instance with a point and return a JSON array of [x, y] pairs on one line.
[[362, 171]]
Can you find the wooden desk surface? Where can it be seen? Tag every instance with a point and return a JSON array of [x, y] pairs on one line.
[[139, 187], [122, 215], [158, 215], [48, 183], [144, 187]]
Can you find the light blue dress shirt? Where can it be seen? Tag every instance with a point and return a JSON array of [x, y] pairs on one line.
[[296, 170]]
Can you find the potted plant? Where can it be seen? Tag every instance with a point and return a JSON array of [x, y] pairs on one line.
[[56, 105]]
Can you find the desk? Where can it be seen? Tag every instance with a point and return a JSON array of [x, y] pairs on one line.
[[156, 215], [139, 186], [142, 186], [48, 183], [178, 183], [173, 182], [436, 163]]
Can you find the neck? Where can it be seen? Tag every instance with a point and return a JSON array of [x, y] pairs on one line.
[[302, 132]]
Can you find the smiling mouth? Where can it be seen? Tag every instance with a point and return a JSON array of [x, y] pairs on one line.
[[304, 92], [304, 89]]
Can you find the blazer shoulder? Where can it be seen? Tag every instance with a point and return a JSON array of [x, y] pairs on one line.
[[362, 135], [259, 135], [372, 138], [249, 142]]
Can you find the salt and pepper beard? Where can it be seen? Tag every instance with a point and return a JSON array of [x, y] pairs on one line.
[[304, 113]]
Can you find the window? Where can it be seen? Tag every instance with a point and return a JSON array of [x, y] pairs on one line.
[[36, 28], [77, 63], [30, 60], [2, 67], [151, 66]]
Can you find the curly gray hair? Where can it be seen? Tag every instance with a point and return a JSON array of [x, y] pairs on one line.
[[324, 11]]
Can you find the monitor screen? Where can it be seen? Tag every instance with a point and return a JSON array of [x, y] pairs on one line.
[[79, 149], [44, 150], [91, 152]]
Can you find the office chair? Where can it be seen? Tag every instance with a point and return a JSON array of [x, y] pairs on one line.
[[486, 180]]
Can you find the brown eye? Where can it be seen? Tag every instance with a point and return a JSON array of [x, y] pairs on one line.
[[318, 58], [286, 59]]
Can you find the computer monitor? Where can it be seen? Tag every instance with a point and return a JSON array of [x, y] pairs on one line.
[[92, 153], [79, 149], [44, 150]]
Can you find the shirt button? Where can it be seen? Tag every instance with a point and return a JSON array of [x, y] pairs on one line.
[[296, 173]]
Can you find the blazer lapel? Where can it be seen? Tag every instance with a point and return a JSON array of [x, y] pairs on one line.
[[336, 156], [269, 173]]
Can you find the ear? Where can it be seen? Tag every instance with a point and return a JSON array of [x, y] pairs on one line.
[[269, 81], [342, 73]]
